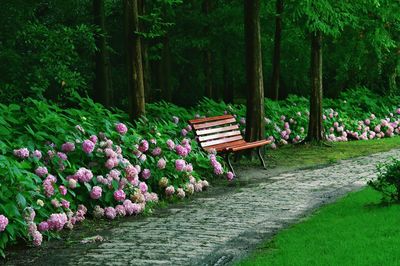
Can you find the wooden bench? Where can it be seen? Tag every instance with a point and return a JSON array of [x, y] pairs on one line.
[[222, 133]]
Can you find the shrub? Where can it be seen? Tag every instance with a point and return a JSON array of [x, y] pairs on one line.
[[388, 181]]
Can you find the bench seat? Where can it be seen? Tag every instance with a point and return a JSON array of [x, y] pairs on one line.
[[222, 134]]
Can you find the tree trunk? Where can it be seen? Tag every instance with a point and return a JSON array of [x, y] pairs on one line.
[[101, 88], [207, 54], [276, 63], [254, 74], [315, 128], [134, 60], [145, 55]]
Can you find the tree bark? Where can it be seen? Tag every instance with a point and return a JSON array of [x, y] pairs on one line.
[[254, 74], [315, 128], [145, 55], [101, 84], [136, 96], [207, 55], [276, 62]]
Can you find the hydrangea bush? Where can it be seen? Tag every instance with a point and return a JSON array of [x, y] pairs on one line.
[[60, 165]]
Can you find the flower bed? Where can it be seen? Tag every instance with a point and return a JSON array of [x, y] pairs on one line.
[[73, 163], [60, 165]]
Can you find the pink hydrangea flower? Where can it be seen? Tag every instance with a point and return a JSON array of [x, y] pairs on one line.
[[189, 168], [180, 164], [143, 146], [57, 221], [96, 192], [161, 163], [37, 238], [22, 153], [62, 156], [41, 171], [43, 226], [110, 213], [130, 171], [120, 210], [184, 132], [143, 187], [68, 147], [170, 144], [88, 146], [3, 222], [37, 154], [198, 187], [156, 152], [65, 203], [115, 174], [132, 208], [121, 128], [180, 193], [229, 176], [119, 195], [181, 151], [146, 173], [84, 175], [170, 190], [63, 190], [93, 138]]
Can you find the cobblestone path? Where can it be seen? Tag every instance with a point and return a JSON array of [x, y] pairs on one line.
[[221, 227]]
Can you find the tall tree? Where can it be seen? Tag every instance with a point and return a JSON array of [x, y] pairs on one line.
[[145, 52], [101, 85], [276, 61], [207, 53], [136, 96], [322, 18], [254, 78], [315, 128]]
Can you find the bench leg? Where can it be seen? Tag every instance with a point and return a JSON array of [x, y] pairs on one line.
[[261, 158], [228, 161]]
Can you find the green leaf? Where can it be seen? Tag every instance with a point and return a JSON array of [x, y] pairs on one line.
[[21, 200]]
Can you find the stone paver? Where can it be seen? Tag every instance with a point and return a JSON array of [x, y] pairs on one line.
[[224, 226]]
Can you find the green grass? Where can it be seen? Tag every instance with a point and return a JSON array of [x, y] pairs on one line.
[[356, 230], [309, 155]]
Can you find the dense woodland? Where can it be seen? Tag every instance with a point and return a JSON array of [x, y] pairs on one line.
[[191, 49], [126, 53]]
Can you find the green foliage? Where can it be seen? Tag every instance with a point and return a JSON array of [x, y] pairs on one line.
[[45, 126], [388, 180]]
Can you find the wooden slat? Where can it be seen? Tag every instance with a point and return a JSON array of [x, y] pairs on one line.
[[216, 130], [220, 147], [220, 141], [215, 123], [248, 145], [219, 135], [209, 119]]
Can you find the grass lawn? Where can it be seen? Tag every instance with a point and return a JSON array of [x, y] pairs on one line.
[[308, 155], [356, 230]]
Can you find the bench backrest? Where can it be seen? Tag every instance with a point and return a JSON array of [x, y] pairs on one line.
[[217, 130]]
